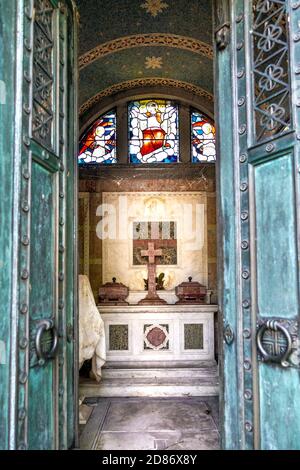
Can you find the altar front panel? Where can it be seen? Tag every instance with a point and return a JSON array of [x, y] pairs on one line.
[[159, 333]]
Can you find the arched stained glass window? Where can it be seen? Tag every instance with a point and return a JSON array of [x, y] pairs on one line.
[[153, 131], [98, 144], [203, 138], [153, 136]]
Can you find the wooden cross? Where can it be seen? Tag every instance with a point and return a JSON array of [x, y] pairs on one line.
[[151, 298]]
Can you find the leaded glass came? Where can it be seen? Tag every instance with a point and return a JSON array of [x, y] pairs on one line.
[[153, 136], [98, 145], [203, 138], [153, 131]]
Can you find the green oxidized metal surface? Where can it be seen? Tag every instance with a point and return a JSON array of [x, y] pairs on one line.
[[274, 179], [277, 297], [7, 54], [71, 198], [266, 123], [41, 380], [42, 396], [241, 134], [279, 408], [229, 380], [277, 273]]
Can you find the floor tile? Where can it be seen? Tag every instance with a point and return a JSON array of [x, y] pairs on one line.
[[158, 415], [152, 424]]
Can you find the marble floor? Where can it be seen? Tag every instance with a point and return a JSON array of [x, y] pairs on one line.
[[151, 424]]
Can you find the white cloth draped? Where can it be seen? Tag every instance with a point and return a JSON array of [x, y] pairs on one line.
[[91, 329]]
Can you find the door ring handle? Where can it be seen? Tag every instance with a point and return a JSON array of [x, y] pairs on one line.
[[281, 358], [45, 325]]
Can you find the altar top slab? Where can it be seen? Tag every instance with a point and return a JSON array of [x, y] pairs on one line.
[[205, 308]]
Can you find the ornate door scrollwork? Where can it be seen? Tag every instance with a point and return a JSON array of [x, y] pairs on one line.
[[271, 66], [277, 342], [43, 76]]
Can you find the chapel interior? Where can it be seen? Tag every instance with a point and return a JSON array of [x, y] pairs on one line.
[[147, 239]]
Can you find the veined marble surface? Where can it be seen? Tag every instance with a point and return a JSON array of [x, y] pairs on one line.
[[187, 209]]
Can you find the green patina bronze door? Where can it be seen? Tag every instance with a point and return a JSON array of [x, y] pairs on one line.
[[258, 58], [42, 390]]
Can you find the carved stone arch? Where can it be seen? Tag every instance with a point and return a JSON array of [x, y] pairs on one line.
[[148, 83], [183, 97], [145, 40]]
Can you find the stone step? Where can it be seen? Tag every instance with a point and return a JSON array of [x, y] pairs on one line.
[[159, 364], [151, 387], [112, 373]]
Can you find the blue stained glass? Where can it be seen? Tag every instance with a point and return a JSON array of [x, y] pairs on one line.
[[203, 139], [98, 144], [153, 131]]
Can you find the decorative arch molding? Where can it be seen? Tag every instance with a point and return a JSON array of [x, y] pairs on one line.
[[145, 40], [145, 82], [120, 100]]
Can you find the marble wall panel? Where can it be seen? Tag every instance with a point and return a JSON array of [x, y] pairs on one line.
[[191, 243], [202, 267]]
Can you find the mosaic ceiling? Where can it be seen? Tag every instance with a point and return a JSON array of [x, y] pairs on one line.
[[126, 44]]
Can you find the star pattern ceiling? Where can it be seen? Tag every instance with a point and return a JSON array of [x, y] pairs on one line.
[[154, 7], [153, 62], [155, 39]]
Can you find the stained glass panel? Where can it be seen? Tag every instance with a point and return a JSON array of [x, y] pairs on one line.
[[98, 145], [203, 139], [153, 131]]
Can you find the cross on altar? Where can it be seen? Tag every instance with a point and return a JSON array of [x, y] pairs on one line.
[[151, 298], [151, 253]]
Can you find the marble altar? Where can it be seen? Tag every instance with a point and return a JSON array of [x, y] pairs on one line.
[[169, 333]]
